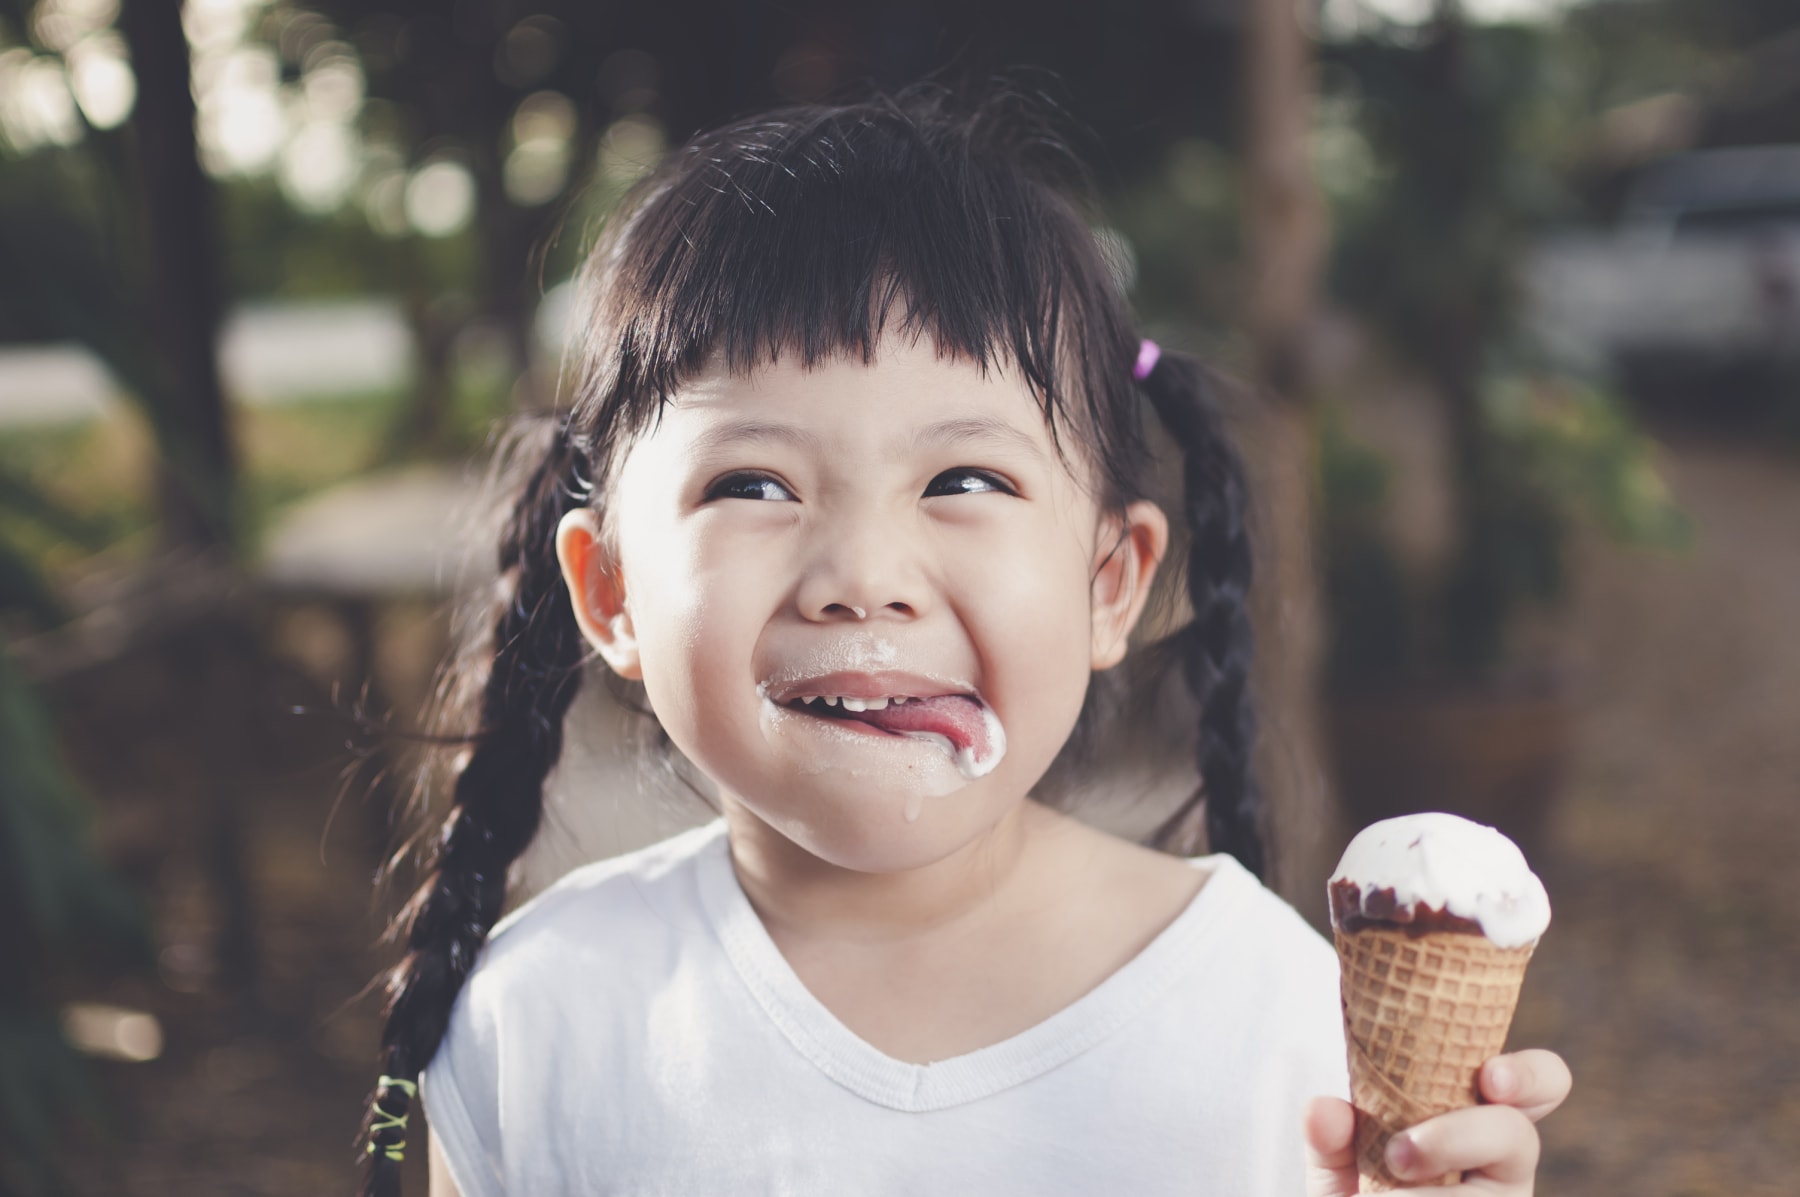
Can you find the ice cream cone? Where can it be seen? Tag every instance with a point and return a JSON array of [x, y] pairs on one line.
[[1422, 1013]]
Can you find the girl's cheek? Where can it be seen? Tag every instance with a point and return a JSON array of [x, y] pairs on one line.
[[1031, 565], [1027, 603]]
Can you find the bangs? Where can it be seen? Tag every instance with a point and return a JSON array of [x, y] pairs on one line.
[[813, 231]]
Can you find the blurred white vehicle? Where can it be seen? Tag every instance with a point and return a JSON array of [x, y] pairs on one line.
[[1701, 274]]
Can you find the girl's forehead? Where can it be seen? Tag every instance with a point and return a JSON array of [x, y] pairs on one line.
[[905, 381]]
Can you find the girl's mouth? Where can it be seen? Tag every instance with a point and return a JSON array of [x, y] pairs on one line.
[[961, 724]]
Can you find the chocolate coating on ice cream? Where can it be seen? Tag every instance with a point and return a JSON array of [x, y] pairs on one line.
[[1352, 910]]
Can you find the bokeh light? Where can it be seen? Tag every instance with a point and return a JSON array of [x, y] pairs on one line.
[[61, 25], [529, 51], [440, 198], [237, 91], [37, 108], [1345, 18], [319, 164], [542, 131], [101, 77], [630, 149]]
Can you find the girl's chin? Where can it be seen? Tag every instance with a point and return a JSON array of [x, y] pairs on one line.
[[878, 787], [857, 797], [870, 833]]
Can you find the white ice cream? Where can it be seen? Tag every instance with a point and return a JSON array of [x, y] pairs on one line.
[[1451, 864]]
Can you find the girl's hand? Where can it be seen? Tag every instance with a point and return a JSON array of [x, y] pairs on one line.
[[1494, 1145]]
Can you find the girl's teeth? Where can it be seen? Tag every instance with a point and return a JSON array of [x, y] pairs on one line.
[[854, 704]]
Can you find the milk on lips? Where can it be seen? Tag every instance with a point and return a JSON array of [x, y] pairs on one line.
[[861, 754]]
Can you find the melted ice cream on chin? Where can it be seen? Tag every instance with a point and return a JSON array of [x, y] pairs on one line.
[[922, 769]]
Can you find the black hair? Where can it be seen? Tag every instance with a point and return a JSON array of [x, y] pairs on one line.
[[809, 231]]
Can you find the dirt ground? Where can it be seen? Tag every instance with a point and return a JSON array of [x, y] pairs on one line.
[[1670, 978]]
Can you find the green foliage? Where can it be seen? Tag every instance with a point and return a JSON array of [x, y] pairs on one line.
[[1463, 135], [1565, 454], [23, 587], [1460, 131], [69, 902], [274, 251], [1561, 451], [62, 908], [42, 1081], [1365, 586], [72, 259], [1183, 223], [1580, 442]]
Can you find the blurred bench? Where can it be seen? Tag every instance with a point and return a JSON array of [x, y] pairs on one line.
[[418, 534]]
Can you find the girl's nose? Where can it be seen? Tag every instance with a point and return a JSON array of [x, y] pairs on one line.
[[862, 571]]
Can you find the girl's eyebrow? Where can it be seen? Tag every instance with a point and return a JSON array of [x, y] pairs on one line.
[[964, 430], [738, 432], [977, 430]]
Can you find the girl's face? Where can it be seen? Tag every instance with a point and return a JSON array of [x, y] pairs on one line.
[[898, 531]]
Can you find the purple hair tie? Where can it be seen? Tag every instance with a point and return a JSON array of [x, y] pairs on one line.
[[1148, 353]]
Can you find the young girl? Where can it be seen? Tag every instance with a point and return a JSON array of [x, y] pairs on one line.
[[853, 487]]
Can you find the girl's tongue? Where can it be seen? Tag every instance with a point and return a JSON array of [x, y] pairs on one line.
[[962, 725], [956, 718]]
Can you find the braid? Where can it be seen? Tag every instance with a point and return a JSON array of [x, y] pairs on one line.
[[1215, 648], [497, 801]]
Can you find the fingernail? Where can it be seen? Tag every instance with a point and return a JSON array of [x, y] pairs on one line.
[[1503, 1079], [1401, 1155]]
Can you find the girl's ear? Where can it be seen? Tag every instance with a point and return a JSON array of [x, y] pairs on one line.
[[1128, 553], [597, 592]]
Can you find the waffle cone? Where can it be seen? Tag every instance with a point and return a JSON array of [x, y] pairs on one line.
[[1421, 1015]]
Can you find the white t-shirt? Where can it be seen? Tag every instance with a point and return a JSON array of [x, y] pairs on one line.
[[634, 1030]]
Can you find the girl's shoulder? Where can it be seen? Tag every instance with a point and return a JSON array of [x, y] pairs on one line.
[[609, 906], [1248, 911], [1215, 892]]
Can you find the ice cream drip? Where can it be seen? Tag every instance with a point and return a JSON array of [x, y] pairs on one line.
[[978, 757]]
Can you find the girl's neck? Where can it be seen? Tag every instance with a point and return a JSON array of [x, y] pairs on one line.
[[797, 894]]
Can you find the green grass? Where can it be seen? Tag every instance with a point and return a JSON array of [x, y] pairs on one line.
[[96, 476], [100, 472], [289, 452]]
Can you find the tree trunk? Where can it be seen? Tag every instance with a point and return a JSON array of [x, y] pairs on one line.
[[182, 294], [183, 300], [1285, 227], [1285, 233]]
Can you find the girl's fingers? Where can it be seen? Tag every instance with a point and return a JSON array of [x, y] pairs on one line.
[[1533, 1081], [1330, 1127], [1497, 1142]]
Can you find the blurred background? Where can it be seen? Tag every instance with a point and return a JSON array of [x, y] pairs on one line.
[[1509, 289]]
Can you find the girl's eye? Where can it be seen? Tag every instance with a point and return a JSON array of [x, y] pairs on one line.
[[965, 481], [749, 486]]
